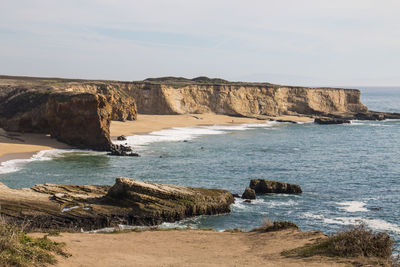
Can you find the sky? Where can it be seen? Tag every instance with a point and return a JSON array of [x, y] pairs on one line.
[[308, 42]]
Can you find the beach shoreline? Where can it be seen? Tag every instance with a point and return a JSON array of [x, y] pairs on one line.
[[25, 145], [149, 123]]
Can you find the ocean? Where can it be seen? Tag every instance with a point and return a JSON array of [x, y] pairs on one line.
[[349, 174]]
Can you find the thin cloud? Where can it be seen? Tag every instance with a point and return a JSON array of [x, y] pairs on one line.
[[326, 42]]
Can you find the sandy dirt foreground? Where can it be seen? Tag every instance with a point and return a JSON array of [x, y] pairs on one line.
[[150, 123], [188, 248]]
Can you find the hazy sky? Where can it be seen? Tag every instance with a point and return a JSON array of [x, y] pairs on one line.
[[305, 42]]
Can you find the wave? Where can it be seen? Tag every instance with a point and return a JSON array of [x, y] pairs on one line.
[[374, 224], [179, 134], [43, 155], [352, 206]]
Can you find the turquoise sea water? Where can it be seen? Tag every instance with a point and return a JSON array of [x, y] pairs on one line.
[[349, 173]]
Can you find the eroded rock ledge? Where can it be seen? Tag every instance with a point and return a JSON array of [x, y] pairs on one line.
[[128, 201]]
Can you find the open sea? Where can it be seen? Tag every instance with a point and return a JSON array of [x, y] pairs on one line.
[[349, 174]]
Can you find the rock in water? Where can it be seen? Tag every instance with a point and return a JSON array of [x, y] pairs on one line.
[[249, 193], [261, 186], [330, 121], [121, 138], [121, 150]]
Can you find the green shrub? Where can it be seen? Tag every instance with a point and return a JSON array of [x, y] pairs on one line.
[[18, 249], [356, 241]]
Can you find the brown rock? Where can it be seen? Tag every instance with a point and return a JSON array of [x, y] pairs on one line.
[[121, 138], [81, 120], [128, 202], [261, 186], [323, 120], [249, 193]]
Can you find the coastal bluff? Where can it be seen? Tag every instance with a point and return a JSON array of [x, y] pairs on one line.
[[128, 201], [78, 112]]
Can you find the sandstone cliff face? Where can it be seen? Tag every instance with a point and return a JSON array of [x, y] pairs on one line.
[[81, 120], [76, 113], [245, 100], [123, 105]]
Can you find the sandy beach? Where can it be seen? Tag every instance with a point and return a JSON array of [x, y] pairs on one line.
[[24, 145], [150, 123], [188, 248]]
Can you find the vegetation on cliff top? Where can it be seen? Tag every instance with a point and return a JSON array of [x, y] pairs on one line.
[[19, 249], [201, 80], [356, 241]]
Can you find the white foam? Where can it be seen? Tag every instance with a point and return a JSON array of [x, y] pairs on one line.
[[178, 134], [352, 206], [313, 216], [352, 122], [375, 224], [43, 155], [289, 203], [16, 164]]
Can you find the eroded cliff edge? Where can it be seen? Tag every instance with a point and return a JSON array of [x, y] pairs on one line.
[[78, 112]]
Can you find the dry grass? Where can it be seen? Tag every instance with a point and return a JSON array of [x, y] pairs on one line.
[[354, 242], [18, 249]]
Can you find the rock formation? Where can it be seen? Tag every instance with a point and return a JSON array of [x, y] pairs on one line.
[[261, 186], [74, 113], [78, 112], [330, 121], [249, 193], [248, 100], [121, 150], [128, 202]]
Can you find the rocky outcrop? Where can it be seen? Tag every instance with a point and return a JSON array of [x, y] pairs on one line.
[[261, 186], [128, 202], [177, 202], [121, 150], [121, 138], [330, 121], [80, 119], [249, 193], [76, 113]]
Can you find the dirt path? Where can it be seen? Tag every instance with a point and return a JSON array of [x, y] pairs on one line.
[[188, 248]]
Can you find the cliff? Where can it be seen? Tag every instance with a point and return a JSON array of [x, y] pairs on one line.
[[245, 100], [127, 202], [78, 112]]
